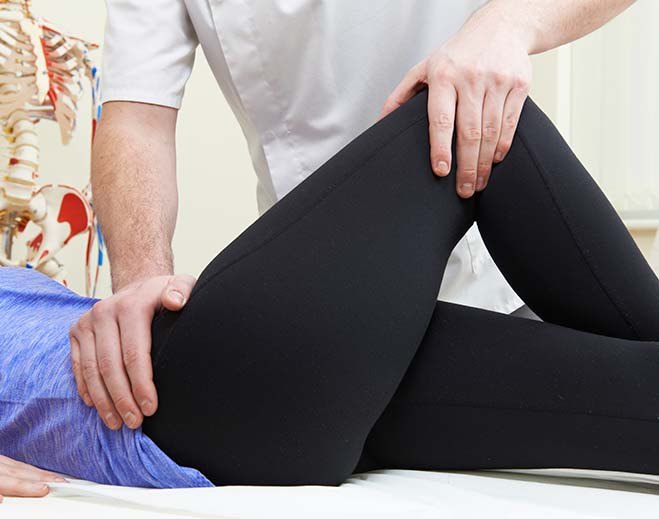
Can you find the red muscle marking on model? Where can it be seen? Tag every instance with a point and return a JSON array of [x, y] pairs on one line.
[[73, 212], [36, 242], [52, 95]]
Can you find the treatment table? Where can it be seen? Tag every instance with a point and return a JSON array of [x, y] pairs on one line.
[[386, 494]]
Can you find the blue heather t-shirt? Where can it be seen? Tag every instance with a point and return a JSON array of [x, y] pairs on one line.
[[43, 421]]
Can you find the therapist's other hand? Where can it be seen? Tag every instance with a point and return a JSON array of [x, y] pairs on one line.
[[477, 84], [22, 480], [111, 349]]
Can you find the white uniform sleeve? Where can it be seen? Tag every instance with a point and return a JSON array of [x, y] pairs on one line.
[[148, 52]]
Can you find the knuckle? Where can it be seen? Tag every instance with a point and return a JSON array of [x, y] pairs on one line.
[[101, 309], [84, 395], [141, 390], [182, 283], [483, 168], [105, 366], [520, 82], [471, 134], [504, 146], [187, 279], [440, 152], [130, 357], [89, 369], [510, 121], [441, 121], [123, 403], [441, 74], [127, 305], [490, 131], [499, 78], [468, 172], [80, 325], [80, 328], [473, 75], [103, 406]]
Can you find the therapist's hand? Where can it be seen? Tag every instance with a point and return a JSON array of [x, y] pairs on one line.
[[21, 480], [477, 83], [111, 349]]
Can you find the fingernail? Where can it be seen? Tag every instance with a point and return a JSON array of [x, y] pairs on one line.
[[87, 399], [177, 297], [60, 479], [38, 487], [130, 419], [498, 156], [467, 188], [442, 167], [480, 183], [145, 405], [111, 420]]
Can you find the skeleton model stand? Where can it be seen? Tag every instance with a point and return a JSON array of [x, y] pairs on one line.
[[41, 75]]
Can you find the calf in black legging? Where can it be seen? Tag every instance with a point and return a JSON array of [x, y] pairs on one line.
[[315, 341]]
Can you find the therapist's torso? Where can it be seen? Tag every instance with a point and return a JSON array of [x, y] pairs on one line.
[[303, 77]]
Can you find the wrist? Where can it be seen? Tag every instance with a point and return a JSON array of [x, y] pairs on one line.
[[122, 275], [509, 20]]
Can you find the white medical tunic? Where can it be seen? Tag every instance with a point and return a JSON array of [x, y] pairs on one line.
[[303, 78]]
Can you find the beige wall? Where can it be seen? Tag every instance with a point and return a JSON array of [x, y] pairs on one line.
[[215, 178], [603, 93]]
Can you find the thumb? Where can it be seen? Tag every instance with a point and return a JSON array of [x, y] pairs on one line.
[[177, 291]]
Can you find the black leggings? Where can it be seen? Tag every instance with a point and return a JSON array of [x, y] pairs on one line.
[[313, 345]]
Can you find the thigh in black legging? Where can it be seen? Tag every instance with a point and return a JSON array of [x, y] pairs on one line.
[[487, 390], [491, 391], [297, 335], [560, 243]]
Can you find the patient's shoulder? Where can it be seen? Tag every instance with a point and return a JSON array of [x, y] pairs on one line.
[[21, 287]]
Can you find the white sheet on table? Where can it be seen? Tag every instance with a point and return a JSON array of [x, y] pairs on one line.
[[389, 494]]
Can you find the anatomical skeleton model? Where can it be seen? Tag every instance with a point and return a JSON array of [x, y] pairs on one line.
[[41, 76]]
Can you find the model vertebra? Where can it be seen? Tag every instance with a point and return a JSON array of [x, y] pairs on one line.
[[41, 75]]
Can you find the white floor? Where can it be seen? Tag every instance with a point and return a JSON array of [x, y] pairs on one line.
[[391, 494]]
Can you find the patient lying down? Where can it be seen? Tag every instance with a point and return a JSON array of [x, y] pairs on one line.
[[314, 346], [42, 418]]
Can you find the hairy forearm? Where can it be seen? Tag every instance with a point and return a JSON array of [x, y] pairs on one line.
[[542, 25], [134, 187]]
